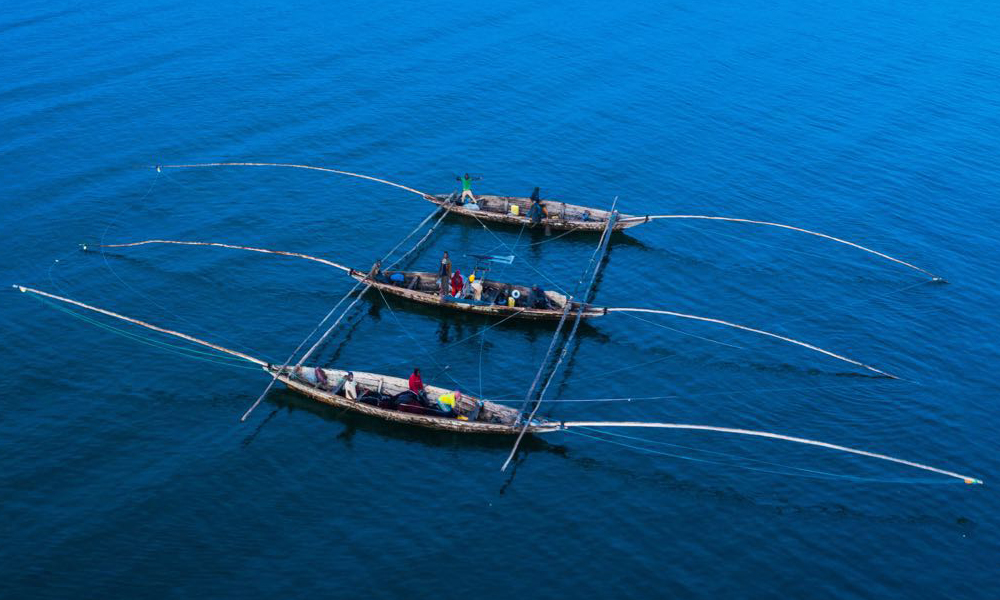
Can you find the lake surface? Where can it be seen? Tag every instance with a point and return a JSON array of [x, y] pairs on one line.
[[126, 474]]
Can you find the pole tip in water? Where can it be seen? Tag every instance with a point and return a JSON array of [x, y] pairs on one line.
[[971, 481], [20, 287], [939, 280]]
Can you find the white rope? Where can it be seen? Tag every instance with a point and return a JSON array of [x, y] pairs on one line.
[[783, 226], [399, 324], [511, 250], [760, 331], [777, 436]]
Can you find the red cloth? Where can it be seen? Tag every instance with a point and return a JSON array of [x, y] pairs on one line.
[[416, 384], [457, 282]]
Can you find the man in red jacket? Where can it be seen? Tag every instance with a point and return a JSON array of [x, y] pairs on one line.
[[417, 386]]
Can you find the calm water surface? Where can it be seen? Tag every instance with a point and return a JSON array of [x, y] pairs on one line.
[[126, 474]]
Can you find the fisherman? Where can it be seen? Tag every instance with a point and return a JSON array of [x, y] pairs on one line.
[[350, 387], [444, 274], [448, 402], [467, 187], [417, 387], [537, 298], [375, 274], [537, 210], [457, 284], [477, 287]]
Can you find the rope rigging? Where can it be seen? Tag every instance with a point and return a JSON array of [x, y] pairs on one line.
[[327, 333]]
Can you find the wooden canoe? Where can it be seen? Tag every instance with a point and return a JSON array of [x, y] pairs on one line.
[[423, 287], [562, 216], [493, 418]]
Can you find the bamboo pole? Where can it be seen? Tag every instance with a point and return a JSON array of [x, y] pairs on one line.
[[783, 226], [765, 434], [251, 249], [142, 324], [760, 331], [294, 166]]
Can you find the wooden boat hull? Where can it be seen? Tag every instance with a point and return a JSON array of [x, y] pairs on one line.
[[562, 216], [506, 415], [434, 298]]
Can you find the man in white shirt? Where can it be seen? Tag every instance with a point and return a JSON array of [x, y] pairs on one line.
[[350, 387]]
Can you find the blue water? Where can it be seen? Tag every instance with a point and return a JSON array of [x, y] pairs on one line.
[[125, 473]]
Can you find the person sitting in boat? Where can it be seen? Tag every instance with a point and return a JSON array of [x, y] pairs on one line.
[[467, 187], [417, 387], [457, 284], [448, 402], [477, 287], [537, 298]]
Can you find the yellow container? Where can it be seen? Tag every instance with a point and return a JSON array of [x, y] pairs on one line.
[[510, 301], [515, 209]]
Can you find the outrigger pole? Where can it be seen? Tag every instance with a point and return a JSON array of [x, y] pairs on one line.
[[562, 425], [109, 313], [609, 309], [292, 166], [765, 434], [783, 226], [234, 247]]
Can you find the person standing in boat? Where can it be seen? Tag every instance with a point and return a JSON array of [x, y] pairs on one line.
[[537, 298], [350, 387], [444, 274], [467, 187], [536, 212], [376, 271]]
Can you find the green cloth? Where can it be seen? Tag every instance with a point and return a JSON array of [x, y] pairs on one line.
[[466, 184]]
